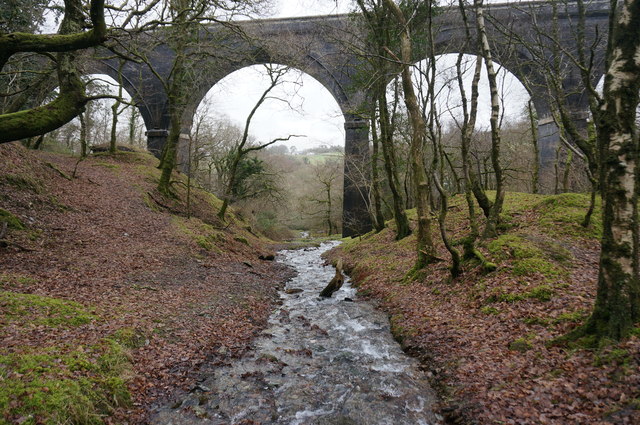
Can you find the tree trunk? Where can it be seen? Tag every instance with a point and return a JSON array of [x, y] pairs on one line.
[[132, 126], [84, 146], [390, 165], [617, 306], [496, 208], [533, 123], [424, 242], [114, 127], [567, 170], [378, 218]]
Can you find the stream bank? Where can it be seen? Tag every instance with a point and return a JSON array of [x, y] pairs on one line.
[[319, 361]]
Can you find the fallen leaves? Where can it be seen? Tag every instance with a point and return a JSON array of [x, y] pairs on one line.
[[103, 247], [464, 342]]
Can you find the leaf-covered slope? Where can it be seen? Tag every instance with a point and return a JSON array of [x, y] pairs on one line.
[[485, 336], [98, 263]]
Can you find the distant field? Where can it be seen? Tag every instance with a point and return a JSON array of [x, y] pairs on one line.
[[323, 157]]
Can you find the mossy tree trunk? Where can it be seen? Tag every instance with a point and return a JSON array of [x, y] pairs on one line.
[[377, 18], [533, 125], [424, 241], [177, 88], [71, 37], [84, 145], [378, 218], [434, 133], [617, 307], [390, 165], [496, 207], [115, 112], [469, 115]]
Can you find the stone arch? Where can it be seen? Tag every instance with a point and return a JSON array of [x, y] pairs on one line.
[[356, 218], [321, 46], [129, 83], [312, 68]]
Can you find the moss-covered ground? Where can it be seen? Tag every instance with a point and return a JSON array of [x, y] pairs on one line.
[[486, 337], [58, 381]]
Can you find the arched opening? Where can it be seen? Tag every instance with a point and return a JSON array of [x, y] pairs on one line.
[[291, 175], [94, 128]]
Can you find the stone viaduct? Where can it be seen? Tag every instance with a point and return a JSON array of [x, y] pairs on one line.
[[331, 49]]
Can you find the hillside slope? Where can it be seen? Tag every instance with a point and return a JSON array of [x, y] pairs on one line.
[[110, 296], [484, 337]]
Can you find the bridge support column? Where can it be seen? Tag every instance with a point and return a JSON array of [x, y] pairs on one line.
[[548, 139], [183, 159], [356, 219], [156, 139]]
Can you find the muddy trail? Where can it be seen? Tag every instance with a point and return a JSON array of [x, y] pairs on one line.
[[320, 361]]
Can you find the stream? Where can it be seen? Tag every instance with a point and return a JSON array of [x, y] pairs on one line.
[[319, 362]]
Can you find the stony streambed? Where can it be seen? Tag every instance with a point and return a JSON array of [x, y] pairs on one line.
[[321, 361]]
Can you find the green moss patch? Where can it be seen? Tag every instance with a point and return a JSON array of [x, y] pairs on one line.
[[531, 256], [530, 266], [521, 345], [106, 165], [490, 310], [204, 235], [22, 182], [59, 385], [540, 293], [612, 356], [12, 221], [43, 310], [241, 240], [128, 337], [563, 214], [13, 279], [514, 246]]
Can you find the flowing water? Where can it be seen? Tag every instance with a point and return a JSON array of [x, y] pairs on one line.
[[320, 361]]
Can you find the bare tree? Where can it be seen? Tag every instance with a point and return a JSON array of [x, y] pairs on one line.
[[424, 242], [276, 74]]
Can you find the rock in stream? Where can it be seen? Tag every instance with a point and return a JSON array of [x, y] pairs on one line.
[[320, 362]]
